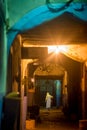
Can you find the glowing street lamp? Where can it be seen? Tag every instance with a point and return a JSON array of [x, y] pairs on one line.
[[57, 49]]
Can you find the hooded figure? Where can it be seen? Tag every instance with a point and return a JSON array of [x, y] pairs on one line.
[[48, 100]]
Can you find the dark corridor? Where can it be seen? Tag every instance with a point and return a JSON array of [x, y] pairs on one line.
[[53, 87]]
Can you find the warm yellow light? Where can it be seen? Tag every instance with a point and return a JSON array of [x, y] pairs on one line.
[[32, 80], [57, 49], [51, 49]]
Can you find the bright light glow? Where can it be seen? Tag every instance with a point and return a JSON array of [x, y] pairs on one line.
[[57, 49], [32, 80]]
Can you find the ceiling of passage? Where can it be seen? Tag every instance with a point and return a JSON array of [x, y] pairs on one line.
[[29, 14], [69, 29], [63, 30]]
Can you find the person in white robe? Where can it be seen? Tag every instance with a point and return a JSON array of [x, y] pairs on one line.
[[48, 100]]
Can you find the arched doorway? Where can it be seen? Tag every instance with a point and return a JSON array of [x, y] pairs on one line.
[[54, 87], [53, 81]]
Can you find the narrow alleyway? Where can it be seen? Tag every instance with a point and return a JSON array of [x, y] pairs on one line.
[[55, 120]]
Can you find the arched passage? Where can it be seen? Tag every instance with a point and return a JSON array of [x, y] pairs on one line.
[[51, 78], [13, 31]]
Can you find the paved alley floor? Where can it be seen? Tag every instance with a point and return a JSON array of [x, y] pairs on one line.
[[55, 120]]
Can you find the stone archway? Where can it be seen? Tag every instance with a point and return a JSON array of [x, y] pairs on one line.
[[53, 78], [49, 69]]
